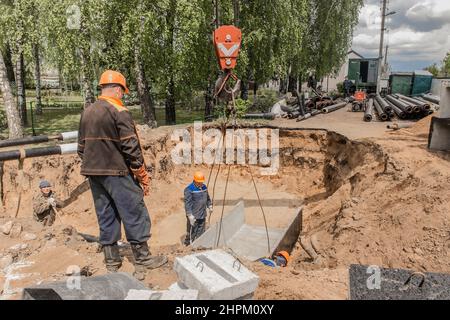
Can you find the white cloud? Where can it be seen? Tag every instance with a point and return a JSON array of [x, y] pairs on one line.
[[419, 31], [425, 11]]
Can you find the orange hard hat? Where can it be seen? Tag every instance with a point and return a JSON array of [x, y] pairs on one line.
[[114, 77], [285, 255], [199, 177]]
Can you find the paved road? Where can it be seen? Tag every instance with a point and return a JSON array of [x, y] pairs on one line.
[[350, 124]]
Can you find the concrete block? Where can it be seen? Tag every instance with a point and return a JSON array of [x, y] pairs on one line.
[[216, 275]]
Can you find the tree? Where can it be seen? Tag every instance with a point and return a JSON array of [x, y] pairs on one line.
[[433, 69], [12, 114]]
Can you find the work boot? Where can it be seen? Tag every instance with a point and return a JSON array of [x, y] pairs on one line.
[[143, 260], [113, 261]]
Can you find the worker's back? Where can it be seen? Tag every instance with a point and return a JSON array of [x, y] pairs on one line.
[[102, 127]]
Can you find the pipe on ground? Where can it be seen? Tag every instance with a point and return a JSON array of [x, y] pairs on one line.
[[431, 98], [381, 114], [38, 139], [334, 107], [39, 152], [421, 104], [386, 107], [403, 106], [368, 112]]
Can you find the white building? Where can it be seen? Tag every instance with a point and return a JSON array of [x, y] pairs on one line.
[[330, 82]]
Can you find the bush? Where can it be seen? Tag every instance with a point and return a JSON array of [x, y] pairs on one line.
[[340, 87]]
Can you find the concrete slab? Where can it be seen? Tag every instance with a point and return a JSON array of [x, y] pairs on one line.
[[216, 275], [249, 241]]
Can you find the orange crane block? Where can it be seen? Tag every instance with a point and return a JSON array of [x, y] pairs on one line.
[[227, 43]]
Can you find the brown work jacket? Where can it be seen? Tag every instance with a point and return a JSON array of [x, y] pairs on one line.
[[41, 207], [107, 141]]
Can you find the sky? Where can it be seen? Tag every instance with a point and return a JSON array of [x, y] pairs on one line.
[[418, 33]]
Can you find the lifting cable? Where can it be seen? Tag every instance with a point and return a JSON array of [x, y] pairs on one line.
[[226, 188]]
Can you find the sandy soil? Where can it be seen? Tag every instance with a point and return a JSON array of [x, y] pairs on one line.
[[369, 201]]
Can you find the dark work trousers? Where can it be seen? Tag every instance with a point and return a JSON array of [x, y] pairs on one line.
[[117, 199], [193, 232]]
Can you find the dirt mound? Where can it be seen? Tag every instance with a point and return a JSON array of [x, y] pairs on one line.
[[367, 201]]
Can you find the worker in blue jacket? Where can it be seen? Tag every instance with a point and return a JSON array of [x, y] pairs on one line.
[[196, 204]]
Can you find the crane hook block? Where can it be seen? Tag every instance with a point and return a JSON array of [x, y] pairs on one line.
[[227, 43]]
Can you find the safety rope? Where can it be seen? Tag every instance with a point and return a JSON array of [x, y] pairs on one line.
[[223, 209], [262, 209]]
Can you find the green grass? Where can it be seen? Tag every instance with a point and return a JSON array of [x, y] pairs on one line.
[[58, 120]]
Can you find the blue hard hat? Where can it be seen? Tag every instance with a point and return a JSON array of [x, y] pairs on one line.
[[44, 184]]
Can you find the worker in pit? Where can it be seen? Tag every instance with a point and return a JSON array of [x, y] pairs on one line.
[[196, 203], [113, 161], [45, 204]]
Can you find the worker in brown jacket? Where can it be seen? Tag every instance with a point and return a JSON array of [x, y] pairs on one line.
[[45, 204], [113, 161]]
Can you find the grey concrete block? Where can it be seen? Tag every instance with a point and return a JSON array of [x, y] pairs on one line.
[[216, 275]]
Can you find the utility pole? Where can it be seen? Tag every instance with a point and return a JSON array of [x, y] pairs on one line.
[[380, 53]]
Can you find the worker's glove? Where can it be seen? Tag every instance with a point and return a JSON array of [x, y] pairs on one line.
[[51, 202], [210, 209], [143, 178], [191, 219]]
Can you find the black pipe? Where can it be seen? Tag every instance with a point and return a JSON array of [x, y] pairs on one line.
[[38, 152], [399, 112], [421, 104], [38, 139], [415, 107], [404, 107], [334, 107], [386, 107], [431, 98], [23, 141], [381, 114], [368, 111]]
